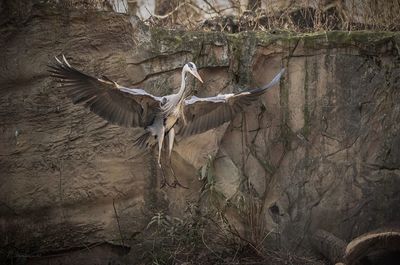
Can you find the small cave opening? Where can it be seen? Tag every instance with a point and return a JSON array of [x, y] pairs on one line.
[[275, 213], [274, 209]]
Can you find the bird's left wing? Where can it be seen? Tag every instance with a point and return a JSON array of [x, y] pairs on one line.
[[203, 114], [128, 107]]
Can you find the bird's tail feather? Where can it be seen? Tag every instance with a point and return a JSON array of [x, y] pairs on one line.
[[143, 140]]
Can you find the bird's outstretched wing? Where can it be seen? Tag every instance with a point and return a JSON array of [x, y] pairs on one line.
[[128, 107], [203, 114]]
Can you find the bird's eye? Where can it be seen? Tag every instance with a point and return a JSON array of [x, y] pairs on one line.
[[191, 65]]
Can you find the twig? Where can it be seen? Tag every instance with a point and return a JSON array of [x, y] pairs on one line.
[[265, 237], [212, 7], [119, 227], [233, 231], [60, 180], [202, 238], [168, 14]]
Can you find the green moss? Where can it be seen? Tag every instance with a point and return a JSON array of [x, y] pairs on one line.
[[268, 167], [242, 47], [318, 39], [165, 40], [169, 42], [339, 39], [285, 115], [306, 111], [236, 43]]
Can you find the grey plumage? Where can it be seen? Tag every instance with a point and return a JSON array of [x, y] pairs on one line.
[[204, 114], [158, 116]]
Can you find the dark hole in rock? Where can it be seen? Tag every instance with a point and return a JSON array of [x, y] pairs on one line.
[[381, 258], [274, 209]]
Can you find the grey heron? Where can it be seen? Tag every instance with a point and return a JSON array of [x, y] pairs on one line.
[[159, 117]]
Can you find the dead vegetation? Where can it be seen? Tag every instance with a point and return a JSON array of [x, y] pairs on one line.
[[207, 236], [236, 16], [297, 16], [213, 230]]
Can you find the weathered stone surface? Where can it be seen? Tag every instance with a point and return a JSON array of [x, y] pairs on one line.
[[319, 151]]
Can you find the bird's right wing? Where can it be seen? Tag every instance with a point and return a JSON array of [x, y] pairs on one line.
[[127, 107], [203, 114]]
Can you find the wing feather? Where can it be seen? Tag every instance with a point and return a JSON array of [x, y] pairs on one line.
[[116, 104], [203, 114]]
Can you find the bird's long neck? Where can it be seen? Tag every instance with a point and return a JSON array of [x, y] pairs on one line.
[[181, 92]]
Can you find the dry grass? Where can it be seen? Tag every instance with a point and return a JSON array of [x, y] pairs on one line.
[[308, 16], [205, 237], [234, 16]]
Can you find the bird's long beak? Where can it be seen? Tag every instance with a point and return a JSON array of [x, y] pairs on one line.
[[196, 74]]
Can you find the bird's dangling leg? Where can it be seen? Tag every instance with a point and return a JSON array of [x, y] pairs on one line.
[[160, 138], [163, 178], [176, 183], [164, 181], [171, 138]]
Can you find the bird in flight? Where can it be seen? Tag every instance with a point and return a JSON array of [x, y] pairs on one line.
[[160, 117]]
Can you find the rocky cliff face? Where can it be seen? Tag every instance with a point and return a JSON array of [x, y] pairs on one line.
[[322, 150]]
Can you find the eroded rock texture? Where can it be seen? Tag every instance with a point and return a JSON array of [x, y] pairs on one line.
[[322, 150]]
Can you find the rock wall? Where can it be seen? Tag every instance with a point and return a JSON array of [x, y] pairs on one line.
[[322, 150]]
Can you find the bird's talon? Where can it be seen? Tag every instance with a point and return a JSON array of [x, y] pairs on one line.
[[163, 184], [177, 183]]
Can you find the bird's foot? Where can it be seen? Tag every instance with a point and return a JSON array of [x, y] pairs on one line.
[[174, 184], [163, 183]]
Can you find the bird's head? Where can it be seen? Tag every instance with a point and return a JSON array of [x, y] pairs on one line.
[[191, 68]]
